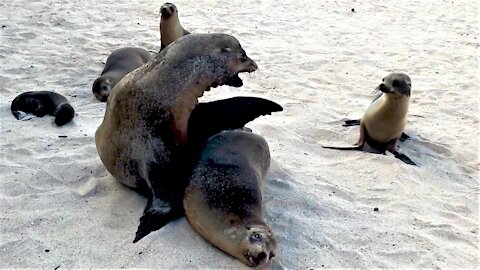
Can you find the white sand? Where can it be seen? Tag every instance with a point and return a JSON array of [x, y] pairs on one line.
[[320, 61]]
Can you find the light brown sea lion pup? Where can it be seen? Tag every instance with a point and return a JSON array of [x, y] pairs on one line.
[[223, 201], [385, 119], [145, 139], [170, 27]]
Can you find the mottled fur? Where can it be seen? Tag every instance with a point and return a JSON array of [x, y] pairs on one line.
[[223, 201]]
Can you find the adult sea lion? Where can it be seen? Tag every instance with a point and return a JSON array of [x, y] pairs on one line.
[[170, 27], [145, 139], [385, 119], [223, 201], [41, 103], [119, 63]]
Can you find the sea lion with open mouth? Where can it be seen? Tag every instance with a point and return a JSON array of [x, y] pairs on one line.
[[223, 201], [144, 139], [384, 121]]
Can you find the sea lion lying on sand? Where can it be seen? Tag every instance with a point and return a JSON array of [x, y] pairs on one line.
[[119, 63], [41, 103], [385, 119], [145, 139], [223, 201]]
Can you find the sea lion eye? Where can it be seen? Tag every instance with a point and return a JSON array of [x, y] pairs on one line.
[[255, 237], [227, 49], [244, 57], [396, 83], [383, 79]]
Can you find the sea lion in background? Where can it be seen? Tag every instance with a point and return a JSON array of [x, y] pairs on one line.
[[41, 103], [119, 63], [145, 139], [223, 201], [385, 119], [170, 27]]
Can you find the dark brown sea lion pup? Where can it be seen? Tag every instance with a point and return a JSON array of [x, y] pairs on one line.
[[170, 27], [145, 139], [41, 103], [119, 63], [223, 201], [384, 121]]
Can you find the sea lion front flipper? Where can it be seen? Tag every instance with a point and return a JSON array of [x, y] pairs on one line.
[[403, 158], [404, 137], [210, 118], [391, 148], [156, 215]]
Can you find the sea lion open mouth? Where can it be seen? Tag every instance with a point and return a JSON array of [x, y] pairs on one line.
[[234, 81]]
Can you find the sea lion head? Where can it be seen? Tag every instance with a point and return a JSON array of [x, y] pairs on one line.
[[230, 59], [101, 88], [167, 10], [396, 84], [258, 246], [219, 58]]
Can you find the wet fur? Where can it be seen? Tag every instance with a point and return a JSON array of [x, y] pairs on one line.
[[41, 103], [119, 63], [143, 138], [223, 201]]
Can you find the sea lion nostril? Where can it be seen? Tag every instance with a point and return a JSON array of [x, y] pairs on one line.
[[262, 255]]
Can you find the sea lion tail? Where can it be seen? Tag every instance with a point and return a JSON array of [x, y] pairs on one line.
[[210, 118], [63, 114]]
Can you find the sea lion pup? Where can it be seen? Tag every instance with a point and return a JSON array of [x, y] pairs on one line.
[[170, 27], [385, 119], [41, 103], [119, 63], [143, 139], [223, 201]]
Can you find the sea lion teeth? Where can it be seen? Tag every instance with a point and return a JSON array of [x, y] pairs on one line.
[[152, 131]]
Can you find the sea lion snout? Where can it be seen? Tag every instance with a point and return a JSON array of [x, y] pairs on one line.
[[384, 88], [259, 247], [101, 88], [167, 9], [398, 83]]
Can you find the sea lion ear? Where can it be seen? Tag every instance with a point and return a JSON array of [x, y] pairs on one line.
[[226, 49]]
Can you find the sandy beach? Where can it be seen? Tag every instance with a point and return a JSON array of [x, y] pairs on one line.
[[321, 60]]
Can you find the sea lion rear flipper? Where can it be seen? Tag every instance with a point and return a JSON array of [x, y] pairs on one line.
[[155, 216], [351, 122], [210, 118], [358, 147]]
